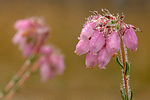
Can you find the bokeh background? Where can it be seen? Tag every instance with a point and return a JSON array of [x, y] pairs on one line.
[[66, 18]]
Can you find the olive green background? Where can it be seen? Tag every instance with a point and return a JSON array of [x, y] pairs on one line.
[[66, 18]]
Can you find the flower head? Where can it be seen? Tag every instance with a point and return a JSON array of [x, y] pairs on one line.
[[51, 63], [31, 33], [101, 37]]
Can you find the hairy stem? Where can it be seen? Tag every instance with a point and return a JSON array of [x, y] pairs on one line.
[[124, 60]]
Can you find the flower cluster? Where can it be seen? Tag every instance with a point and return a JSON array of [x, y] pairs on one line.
[[101, 38], [51, 63], [31, 34]]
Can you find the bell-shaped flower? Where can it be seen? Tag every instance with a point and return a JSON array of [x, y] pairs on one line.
[[113, 43], [47, 50], [57, 61], [103, 58], [52, 61], [19, 40], [91, 60], [130, 39], [82, 47], [88, 30], [45, 71], [24, 24], [97, 42]]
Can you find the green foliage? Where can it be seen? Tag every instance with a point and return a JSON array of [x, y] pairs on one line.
[[131, 95], [117, 59], [31, 58], [127, 69], [122, 95], [126, 97]]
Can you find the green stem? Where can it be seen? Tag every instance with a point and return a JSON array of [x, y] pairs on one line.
[[24, 77], [22, 70]]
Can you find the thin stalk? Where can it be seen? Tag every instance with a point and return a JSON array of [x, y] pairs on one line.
[[22, 80], [25, 66], [124, 60]]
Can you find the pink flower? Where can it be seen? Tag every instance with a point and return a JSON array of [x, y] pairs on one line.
[[97, 42], [27, 50], [45, 72], [103, 58], [88, 30], [24, 24], [91, 60], [130, 39], [113, 43], [19, 40], [30, 31], [52, 61], [82, 47], [58, 61], [101, 37], [46, 50]]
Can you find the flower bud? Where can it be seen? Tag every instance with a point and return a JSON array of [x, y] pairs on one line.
[[91, 60], [103, 58], [97, 42], [57, 61], [113, 43], [46, 50], [82, 47], [23, 24], [88, 30], [18, 39], [45, 71], [130, 39]]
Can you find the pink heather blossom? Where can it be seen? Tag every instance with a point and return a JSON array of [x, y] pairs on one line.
[[101, 36], [45, 71], [88, 30], [46, 49], [19, 40], [27, 50], [103, 58], [130, 39], [30, 31], [91, 60], [52, 61], [58, 61], [82, 47], [113, 43], [97, 42], [24, 24]]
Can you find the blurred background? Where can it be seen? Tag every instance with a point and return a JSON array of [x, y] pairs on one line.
[[66, 18]]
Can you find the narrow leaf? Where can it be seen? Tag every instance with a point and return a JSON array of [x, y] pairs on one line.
[[126, 97], [131, 95], [117, 59], [127, 69], [122, 95]]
